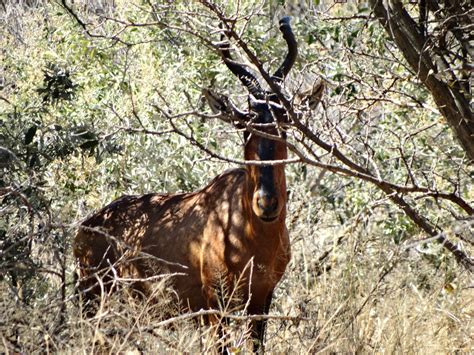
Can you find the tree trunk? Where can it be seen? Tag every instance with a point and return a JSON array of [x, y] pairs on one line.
[[431, 68]]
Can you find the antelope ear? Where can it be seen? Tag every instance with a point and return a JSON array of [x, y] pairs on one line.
[[311, 97], [217, 103], [222, 105]]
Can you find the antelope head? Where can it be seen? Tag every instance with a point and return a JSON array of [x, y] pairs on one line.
[[265, 141]]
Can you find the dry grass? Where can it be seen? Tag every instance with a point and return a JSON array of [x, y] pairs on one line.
[[366, 296]]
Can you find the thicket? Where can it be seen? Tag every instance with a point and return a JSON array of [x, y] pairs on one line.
[[100, 99]]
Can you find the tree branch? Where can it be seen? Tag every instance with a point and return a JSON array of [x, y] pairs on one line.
[[451, 102]]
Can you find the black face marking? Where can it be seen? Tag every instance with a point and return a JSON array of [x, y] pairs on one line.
[[264, 115], [266, 181], [266, 151]]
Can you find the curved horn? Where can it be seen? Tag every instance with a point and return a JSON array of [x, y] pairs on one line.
[[290, 59], [247, 78]]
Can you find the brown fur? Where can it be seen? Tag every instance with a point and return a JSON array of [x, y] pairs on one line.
[[213, 233], [229, 235]]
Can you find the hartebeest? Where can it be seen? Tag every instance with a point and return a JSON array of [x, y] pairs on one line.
[[232, 231]]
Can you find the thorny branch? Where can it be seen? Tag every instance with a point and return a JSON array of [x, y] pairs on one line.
[[396, 195]]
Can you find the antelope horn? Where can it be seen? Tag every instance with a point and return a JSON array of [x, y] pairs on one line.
[[290, 58], [238, 69]]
